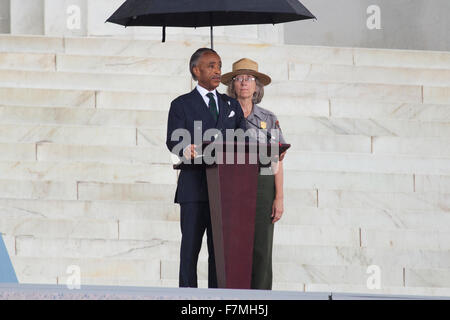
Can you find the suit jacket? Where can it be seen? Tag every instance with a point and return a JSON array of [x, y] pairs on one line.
[[184, 110]]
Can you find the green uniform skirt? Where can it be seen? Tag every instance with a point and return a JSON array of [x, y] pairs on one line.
[[263, 242]]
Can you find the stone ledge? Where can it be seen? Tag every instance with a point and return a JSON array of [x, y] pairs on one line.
[[58, 292]]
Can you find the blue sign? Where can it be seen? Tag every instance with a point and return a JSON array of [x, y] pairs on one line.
[[7, 273]]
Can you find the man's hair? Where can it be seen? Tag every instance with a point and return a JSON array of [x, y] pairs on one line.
[[257, 96], [195, 57]]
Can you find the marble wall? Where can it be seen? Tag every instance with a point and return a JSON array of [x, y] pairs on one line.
[[87, 18]]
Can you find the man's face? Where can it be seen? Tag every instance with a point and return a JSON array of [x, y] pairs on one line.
[[208, 70]]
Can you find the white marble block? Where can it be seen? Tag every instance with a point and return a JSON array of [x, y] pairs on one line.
[[66, 17], [27, 61], [28, 43], [27, 16], [129, 192], [47, 97], [78, 135]]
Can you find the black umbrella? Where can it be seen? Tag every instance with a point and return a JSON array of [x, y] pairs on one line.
[[204, 13]]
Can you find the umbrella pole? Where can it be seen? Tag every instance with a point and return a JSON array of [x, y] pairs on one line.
[[212, 43]]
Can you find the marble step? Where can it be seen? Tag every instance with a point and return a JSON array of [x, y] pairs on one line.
[[313, 235], [384, 219], [74, 190], [378, 145], [426, 170], [434, 147], [307, 142], [348, 275], [137, 155], [323, 255], [145, 83], [349, 181], [94, 81], [21, 97], [278, 71], [419, 239], [300, 125], [144, 191], [361, 256], [144, 65], [83, 117], [298, 106], [370, 182], [29, 43], [145, 230], [303, 273], [287, 105], [168, 84], [166, 269], [329, 90], [340, 291], [90, 229], [17, 151], [280, 105], [340, 108], [314, 277], [77, 135], [43, 270], [32, 247], [27, 61], [59, 98], [369, 74], [415, 201], [132, 192], [146, 48], [169, 49], [59, 228], [392, 290], [368, 162], [155, 152], [295, 213], [50, 190], [47, 97], [110, 210], [87, 171]]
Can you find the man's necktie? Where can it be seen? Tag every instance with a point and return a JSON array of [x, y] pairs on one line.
[[212, 106]]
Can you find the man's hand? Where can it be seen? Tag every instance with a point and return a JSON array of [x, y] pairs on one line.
[[277, 209], [189, 152]]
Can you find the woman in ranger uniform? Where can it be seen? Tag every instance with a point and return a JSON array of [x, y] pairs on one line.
[[246, 84]]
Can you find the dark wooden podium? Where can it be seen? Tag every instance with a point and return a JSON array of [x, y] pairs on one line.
[[232, 191]]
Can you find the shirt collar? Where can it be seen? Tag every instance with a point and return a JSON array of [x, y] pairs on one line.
[[256, 111], [204, 92]]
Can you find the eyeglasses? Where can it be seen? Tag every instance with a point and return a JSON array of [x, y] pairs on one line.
[[242, 79]]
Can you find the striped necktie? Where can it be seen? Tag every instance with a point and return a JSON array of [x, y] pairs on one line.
[[212, 106]]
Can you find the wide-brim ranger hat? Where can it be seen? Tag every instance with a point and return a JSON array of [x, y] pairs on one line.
[[246, 66]]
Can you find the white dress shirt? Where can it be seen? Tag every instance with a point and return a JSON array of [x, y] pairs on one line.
[[203, 92]]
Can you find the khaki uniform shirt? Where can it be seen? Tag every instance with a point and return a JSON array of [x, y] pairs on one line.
[[267, 120]]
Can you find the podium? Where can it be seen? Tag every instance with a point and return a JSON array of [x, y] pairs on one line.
[[232, 177]]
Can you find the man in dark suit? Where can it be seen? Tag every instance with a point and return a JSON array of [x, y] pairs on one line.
[[195, 112]]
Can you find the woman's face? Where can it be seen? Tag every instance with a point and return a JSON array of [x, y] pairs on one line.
[[244, 86]]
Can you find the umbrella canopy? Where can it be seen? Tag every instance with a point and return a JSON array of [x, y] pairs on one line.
[[204, 13]]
